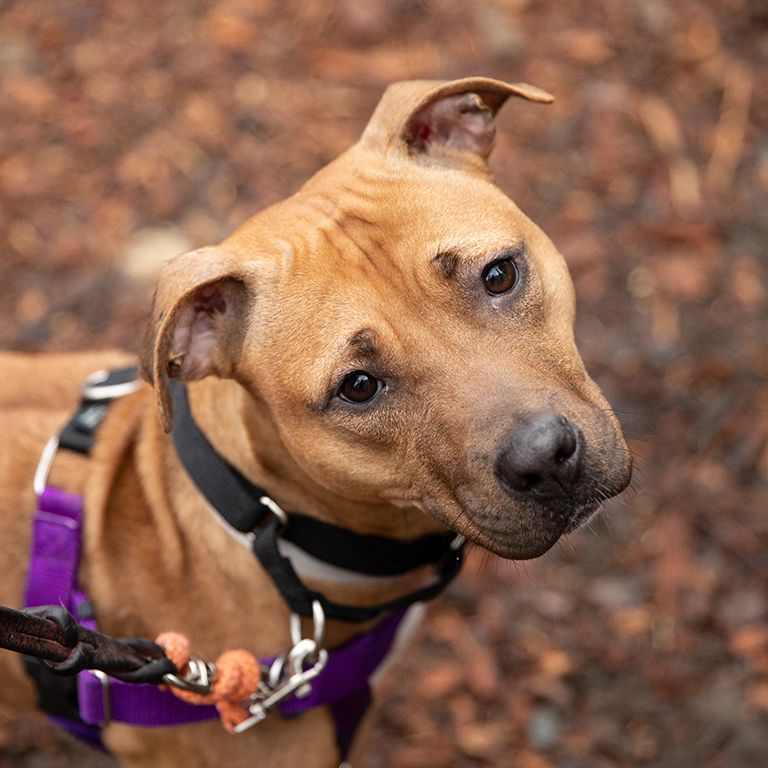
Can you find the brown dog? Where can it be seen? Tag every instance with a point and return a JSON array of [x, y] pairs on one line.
[[389, 350]]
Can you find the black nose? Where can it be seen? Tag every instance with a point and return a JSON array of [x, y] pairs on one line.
[[541, 457]]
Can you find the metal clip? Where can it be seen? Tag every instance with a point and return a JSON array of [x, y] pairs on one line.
[[318, 625], [198, 678], [287, 676], [259, 709], [275, 509]]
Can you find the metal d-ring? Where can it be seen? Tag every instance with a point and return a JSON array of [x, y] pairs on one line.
[[96, 388], [275, 509], [318, 625], [40, 479]]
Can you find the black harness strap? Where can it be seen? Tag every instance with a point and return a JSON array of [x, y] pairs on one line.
[[227, 490], [239, 502], [99, 389], [362, 552], [299, 597]]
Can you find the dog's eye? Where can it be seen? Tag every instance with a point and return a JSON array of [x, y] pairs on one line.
[[500, 277], [359, 387]]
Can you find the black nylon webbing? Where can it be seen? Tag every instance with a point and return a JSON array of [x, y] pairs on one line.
[[227, 490], [365, 553], [299, 597], [236, 499]]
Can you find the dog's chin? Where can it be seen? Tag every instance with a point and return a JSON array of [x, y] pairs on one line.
[[525, 537], [518, 548]]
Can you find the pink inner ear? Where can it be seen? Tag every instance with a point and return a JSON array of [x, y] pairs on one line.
[[209, 299], [194, 344], [463, 121], [418, 136]]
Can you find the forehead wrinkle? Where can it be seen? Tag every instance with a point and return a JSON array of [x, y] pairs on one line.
[[446, 262], [362, 344]]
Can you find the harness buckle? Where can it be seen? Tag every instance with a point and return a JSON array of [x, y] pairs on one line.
[[287, 675]]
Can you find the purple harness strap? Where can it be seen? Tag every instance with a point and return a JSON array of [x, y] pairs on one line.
[[52, 580]]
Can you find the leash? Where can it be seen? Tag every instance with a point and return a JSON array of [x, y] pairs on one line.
[[50, 633], [86, 679]]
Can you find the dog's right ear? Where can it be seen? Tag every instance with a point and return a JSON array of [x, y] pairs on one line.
[[197, 324], [443, 122]]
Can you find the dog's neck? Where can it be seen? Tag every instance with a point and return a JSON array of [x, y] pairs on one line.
[[242, 431], [239, 428]]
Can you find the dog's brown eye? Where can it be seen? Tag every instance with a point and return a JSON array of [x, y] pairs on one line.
[[500, 277], [359, 387]]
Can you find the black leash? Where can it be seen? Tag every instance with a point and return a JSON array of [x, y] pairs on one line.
[[246, 507], [50, 633]]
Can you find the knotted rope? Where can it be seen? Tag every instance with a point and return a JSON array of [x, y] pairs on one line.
[[237, 676]]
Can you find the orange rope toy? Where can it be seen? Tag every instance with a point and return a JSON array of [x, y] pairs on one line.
[[237, 676]]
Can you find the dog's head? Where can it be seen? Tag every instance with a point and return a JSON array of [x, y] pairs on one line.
[[408, 331]]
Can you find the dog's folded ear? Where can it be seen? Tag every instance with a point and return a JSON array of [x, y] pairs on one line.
[[444, 121], [197, 323]]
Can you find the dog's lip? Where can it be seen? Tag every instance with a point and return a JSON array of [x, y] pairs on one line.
[[499, 534], [514, 547], [504, 540], [583, 515]]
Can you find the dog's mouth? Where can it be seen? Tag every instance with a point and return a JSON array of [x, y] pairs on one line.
[[522, 529], [539, 495]]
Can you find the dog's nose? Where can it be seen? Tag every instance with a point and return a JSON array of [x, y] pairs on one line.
[[541, 457]]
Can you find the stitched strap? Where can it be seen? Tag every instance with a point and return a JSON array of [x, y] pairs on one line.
[[227, 490], [55, 549], [52, 580], [364, 553]]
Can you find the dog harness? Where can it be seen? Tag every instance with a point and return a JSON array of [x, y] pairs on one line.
[[308, 675]]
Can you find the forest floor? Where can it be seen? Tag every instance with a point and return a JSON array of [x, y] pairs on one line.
[[132, 131]]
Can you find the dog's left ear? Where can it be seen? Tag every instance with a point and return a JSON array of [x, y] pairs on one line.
[[443, 120], [198, 322]]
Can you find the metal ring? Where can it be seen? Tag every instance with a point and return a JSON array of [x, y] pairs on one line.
[[106, 698], [44, 466], [95, 389], [275, 509], [275, 672], [318, 621], [318, 625], [199, 678], [295, 625]]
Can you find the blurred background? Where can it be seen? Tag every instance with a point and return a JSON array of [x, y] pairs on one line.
[[131, 131]]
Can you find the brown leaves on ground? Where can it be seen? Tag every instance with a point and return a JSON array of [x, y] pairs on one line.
[[131, 130]]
